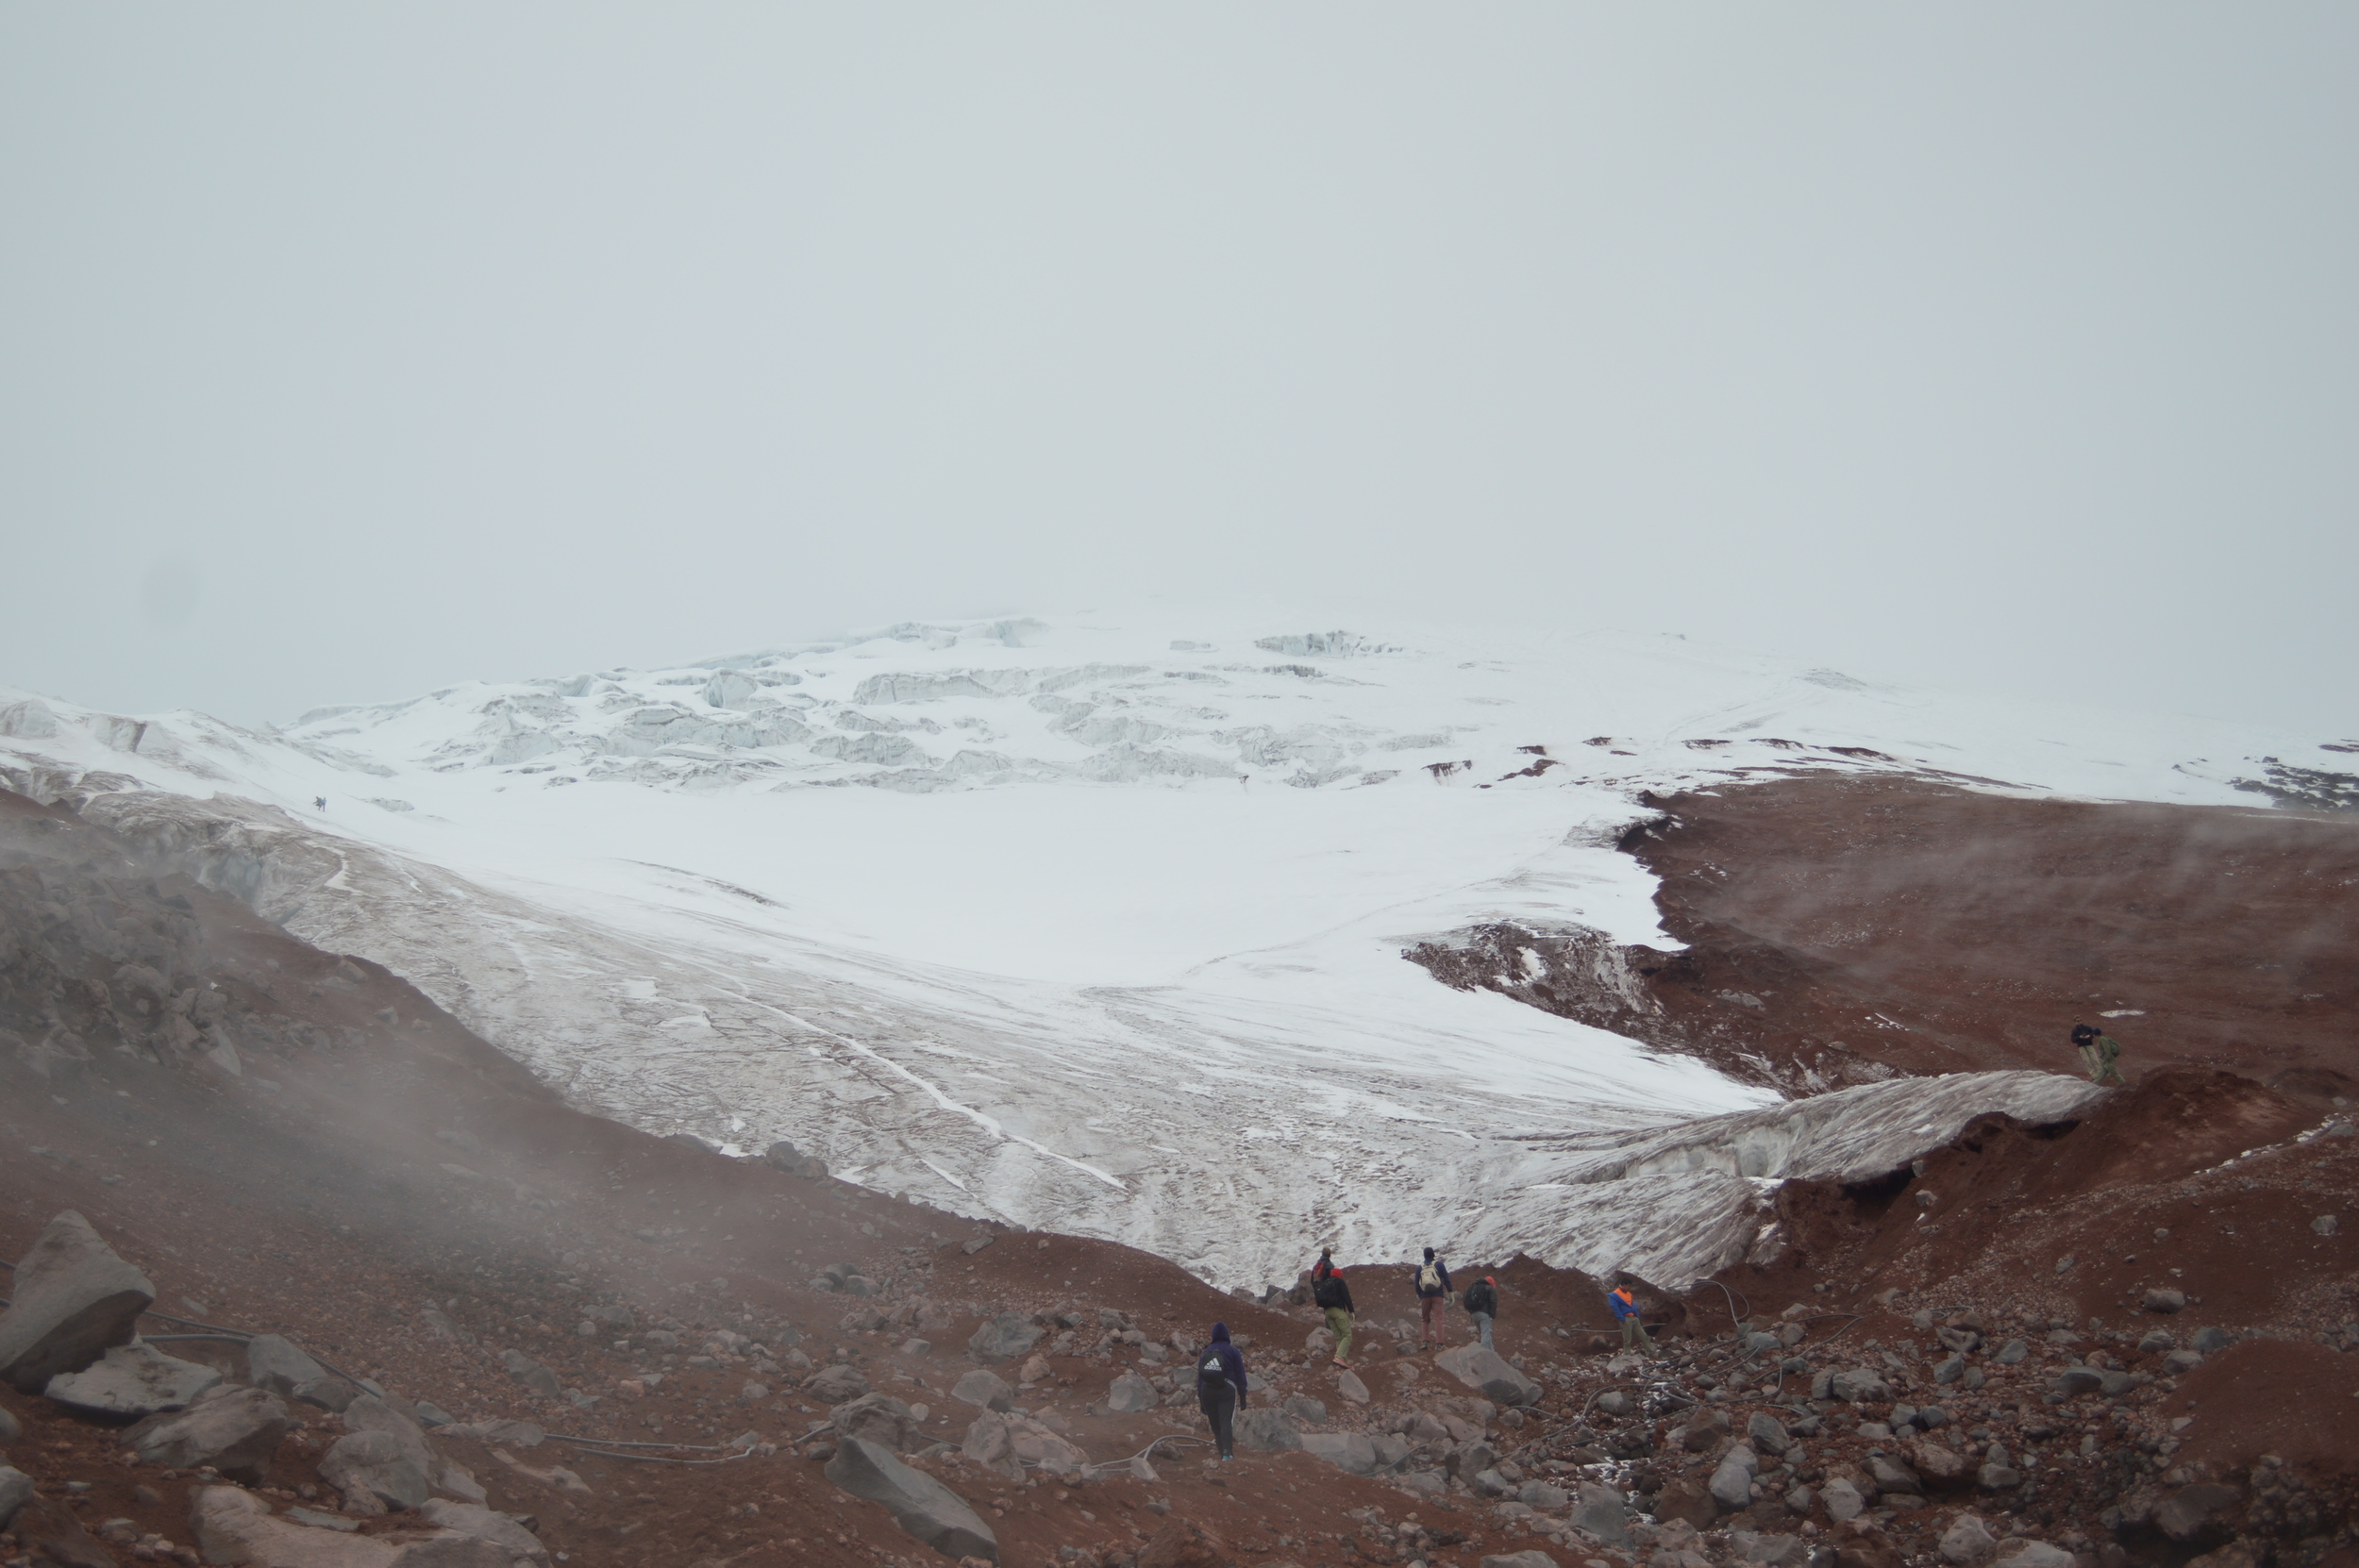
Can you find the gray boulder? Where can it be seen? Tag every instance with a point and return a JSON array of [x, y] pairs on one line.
[[2191, 1514], [1487, 1373], [1967, 1543], [1130, 1393], [131, 1382], [2163, 1299], [1265, 1430], [1767, 1434], [2212, 1340], [877, 1418], [2180, 1362], [233, 1525], [2076, 1379], [532, 1374], [375, 1471], [834, 1385], [72, 1299], [483, 1523], [16, 1490], [1732, 1484], [987, 1390], [1305, 1409], [2012, 1352], [1542, 1495], [1003, 1338], [1603, 1513], [2023, 1552], [1344, 1450], [1532, 1559], [922, 1506], [236, 1433], [784, 1156], [1490, 1483], [277, 1363], [1843, 1500], [1860, 1385]]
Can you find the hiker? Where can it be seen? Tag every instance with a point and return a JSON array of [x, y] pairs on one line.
[[1433, 1289], [1626, 1313], [319, 803], [2099, 1052], [1220, 1389], [1330, 1290], [1481, 1302]]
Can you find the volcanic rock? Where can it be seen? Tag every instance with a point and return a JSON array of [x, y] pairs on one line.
[[375, 1471], [1345, 1450], [16, 1490], [71, 1299], [1966, 1543], [877, 1418], [1604, 1514], [129, 1382], [1003, 1338], [922, 1506], [1130, 1393], [1487, 1373], [236, 1433], [987, 1391], [1266, 1431]]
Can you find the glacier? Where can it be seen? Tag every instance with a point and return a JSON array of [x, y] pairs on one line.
[[1096, 922]]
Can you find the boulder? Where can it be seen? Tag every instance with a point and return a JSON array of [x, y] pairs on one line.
[[1732, 1484], [2193, 1512], [1344, 1450], [1860, 1385], [1998, 1477], [1487, 1373], [1614, 1402], [988, 1445], [1470, 1459], [2180, 1362], [532, 1374], [1265, 1430], [1003, 1338], [131, 1382], [375, 1471], [233, 1525], [784, 1156], [922, 1506], [1890, 1474], [1129, 1394], [1541, 1494], [1305, 1409], [2076, 1379], [236, 1433], [1767, 1434], [1348, 1385], [16, 1490], [2012, 1352], [72, 1299], [2212, 1340], [1843, 1500], [1937, 1462], [1682, 1499], [2165, 1300], [987, 1390], [1532, 1559], [1602, 1512], [1772, 1551], [274, 1363], [483, 1523], [877, 1418], [834, 1385], [2023, 1552], [1966, 1543]]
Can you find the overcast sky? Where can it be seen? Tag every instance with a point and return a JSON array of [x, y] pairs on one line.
[[347, 351]]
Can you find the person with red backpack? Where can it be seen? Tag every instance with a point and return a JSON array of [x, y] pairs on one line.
[[1332, 1293], [1433, 1287]]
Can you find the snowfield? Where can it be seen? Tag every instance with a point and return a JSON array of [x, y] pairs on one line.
[[1097, 927]]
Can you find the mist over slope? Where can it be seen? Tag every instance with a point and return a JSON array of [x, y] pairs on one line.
[[1091, 926]]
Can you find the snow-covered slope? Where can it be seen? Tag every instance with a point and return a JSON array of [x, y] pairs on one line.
[[1091, 926]]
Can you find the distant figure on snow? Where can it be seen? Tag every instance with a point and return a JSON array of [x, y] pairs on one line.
[[1481, 1302], [319, 803], [1220, 1389], [2099, 1052], [1433, 1289], [1333, 1296], [1624, 1305]]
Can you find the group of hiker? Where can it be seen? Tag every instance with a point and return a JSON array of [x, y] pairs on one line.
[[1222, 1385]]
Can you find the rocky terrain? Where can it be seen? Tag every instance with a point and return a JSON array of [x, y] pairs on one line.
[[308, 1274]]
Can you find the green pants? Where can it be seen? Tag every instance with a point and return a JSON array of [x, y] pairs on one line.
[[1635, 1334], [1339, 1325], [2100, 1066]]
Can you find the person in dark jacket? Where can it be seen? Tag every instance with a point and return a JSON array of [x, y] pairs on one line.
[[1333, 1294], [1481, 1302], [2099, 1052], [1433, 1287], [1220, 1389]]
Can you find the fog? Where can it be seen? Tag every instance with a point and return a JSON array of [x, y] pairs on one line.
[[347, 352]]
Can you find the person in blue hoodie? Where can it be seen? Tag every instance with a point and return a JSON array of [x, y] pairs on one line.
[[1220, 1389]]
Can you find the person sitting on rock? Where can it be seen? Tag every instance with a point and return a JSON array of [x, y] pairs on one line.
[[2099, 1052], [1220, 1389], [1433, 1287], [1333, 1296], [1481, 1302], [1625, 1304]]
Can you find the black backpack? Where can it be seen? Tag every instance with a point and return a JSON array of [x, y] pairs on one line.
[[1210, 1368], [1328, 1292], [1480, 1298]]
